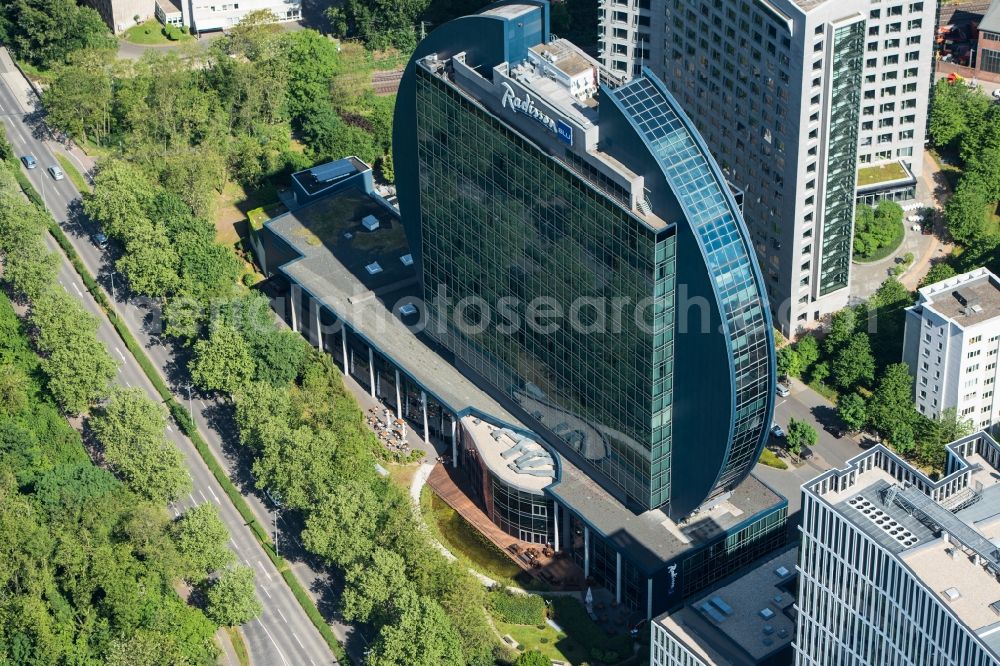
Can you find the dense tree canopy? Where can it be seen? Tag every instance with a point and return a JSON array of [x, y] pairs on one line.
[[45, 32], [131, 427], [89, 566], [232, 599]]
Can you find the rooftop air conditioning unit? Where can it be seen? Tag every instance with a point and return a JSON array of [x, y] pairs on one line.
[[370, 222]]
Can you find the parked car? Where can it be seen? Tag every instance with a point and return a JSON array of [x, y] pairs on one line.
[[806, 453], [29, 161], [101, 239], [776, 430], [782, 390], [56, 172], [996, 94]]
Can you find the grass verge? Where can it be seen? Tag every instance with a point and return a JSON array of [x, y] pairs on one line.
[[239, 645], [463, 540], [826, 391], [74, 174], [189, 428], [769, 458]]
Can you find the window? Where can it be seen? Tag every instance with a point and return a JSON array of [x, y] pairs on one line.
[[975, 340]]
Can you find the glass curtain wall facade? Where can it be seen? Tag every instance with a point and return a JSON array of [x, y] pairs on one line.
[[841, 172], [510, 229], [729, 261]]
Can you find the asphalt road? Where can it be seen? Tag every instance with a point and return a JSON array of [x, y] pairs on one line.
[[283, 635], [831, 451]]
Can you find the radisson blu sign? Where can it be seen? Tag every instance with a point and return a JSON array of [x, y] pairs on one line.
[[526, 106]]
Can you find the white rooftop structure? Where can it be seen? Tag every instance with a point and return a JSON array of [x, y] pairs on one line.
[[370, 222], [929, 546], [519, 461]]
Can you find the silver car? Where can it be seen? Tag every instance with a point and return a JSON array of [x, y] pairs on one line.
[[56, 172], [782, 390]]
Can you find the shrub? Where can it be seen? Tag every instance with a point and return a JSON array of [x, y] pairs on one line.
[[249, 279], [526, 609]]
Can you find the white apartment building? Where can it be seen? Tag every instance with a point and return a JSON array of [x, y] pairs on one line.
[[791, 96], [744, 621], [120, 15], [211, 15], [898, 569], [951, 344]]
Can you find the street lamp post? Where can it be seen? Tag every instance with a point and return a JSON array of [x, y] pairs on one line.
[[189, 386], [274, 514]]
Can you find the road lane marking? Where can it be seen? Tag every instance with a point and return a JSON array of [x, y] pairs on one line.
[[262, 626], [780, 404], [214, 496], [80, 293], [261, 565], [202, 495], [298, 641], [281, 614], [202, 403], [264, 590], [193, 503], [169, 429], [120, 353]]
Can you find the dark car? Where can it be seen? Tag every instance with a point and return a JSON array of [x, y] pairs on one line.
[[101, 240], [29, 161]]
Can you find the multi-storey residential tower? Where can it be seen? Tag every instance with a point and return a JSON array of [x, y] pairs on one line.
[[951, 344], [791, 95], [898, 569], [546, 180]]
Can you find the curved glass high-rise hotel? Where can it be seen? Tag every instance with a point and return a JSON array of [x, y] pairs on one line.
[[581, 253]]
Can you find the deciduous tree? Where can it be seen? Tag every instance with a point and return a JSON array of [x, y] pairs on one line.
[[203, 541], [223, 361], [232, 599], [852, 410], [854, 364], [131, 429]]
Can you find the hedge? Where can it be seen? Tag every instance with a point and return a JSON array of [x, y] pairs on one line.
[[516, 608], [314, 615], [187, 426]]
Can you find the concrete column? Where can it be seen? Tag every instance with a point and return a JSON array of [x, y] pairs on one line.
[[423, 407], [371, 372], [399, 401], [295, 296], [618, 578], [586, 552], [343, 345], [649, 599], [319, 327], [555, 523], [454, 446]]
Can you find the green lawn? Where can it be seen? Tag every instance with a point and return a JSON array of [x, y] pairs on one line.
[[74, 175], [464, 540], [150, 33], [883, 173], [767, 457], [553, 644]]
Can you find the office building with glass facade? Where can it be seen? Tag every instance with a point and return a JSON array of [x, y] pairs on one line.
[[341, 271], [897, 568], [583, 260], [546, 182], [802, 102]]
